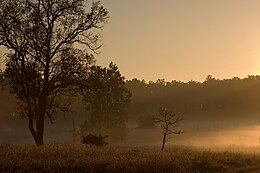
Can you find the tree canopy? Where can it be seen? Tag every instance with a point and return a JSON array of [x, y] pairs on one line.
[[212, 98], [46, 61], [107, 102]]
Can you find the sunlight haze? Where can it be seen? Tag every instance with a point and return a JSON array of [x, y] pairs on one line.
[[182, 39]]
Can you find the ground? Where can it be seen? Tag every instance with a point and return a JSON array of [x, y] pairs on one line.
[[69, 158]]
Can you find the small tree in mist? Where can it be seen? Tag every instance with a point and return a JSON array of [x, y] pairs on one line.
[[168, 121]]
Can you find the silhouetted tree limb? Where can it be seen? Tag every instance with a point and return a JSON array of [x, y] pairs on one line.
[[44, 63], [168, 122]]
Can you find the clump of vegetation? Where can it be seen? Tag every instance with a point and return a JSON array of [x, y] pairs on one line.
[[107, 103], [93, 140]]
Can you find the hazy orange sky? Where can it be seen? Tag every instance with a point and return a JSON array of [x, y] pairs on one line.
[[182, 39]]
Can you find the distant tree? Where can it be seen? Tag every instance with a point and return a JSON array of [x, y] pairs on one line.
[[107, 102], [168, 122], [209, 78], [93, 140], [45, 62]]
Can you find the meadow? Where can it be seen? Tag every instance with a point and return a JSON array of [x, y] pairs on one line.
[[69, 158]]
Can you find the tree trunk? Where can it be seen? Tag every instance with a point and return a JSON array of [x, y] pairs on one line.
[[38, 137], [40, 120], [32, 130], [37, 134], [38, 131], [31, 124], [163, 142]]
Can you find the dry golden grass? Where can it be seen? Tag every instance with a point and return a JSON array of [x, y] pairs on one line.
[[66, 158]]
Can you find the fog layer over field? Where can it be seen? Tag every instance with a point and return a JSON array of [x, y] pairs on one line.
[[207, 134], [216, 113]]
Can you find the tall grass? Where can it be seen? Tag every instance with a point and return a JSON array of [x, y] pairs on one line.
[[66, 158]]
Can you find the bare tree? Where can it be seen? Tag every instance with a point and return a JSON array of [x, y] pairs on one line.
[[168, 122], [48, 42]]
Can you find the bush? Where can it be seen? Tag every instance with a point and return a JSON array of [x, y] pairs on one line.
[[93, 140]]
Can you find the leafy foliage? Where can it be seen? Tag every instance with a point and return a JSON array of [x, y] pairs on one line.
[[106, 102], [44, 64], [221, 99]]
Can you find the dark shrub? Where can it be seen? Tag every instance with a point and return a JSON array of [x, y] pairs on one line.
[[93, 140]]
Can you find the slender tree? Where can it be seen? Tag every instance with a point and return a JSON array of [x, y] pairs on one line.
[[48, 42], [168, 122]]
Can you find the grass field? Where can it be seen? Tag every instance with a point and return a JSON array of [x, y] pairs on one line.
[[67, 158]]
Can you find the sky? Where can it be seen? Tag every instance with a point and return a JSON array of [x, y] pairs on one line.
[[182, 39]]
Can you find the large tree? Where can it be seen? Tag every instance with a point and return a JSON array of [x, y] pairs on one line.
[[48, 42], [107, 103]]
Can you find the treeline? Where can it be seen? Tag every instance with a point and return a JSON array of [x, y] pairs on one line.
[[210, 96], [233, 99]]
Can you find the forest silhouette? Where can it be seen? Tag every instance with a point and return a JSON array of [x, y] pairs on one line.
[[213, 100], [211, 95], [226, 98]]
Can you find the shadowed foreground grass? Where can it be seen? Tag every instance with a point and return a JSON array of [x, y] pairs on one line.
[[65, 158]]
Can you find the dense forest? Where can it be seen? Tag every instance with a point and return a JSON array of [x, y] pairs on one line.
[[216, 102], [210, 96], [227, 98]]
